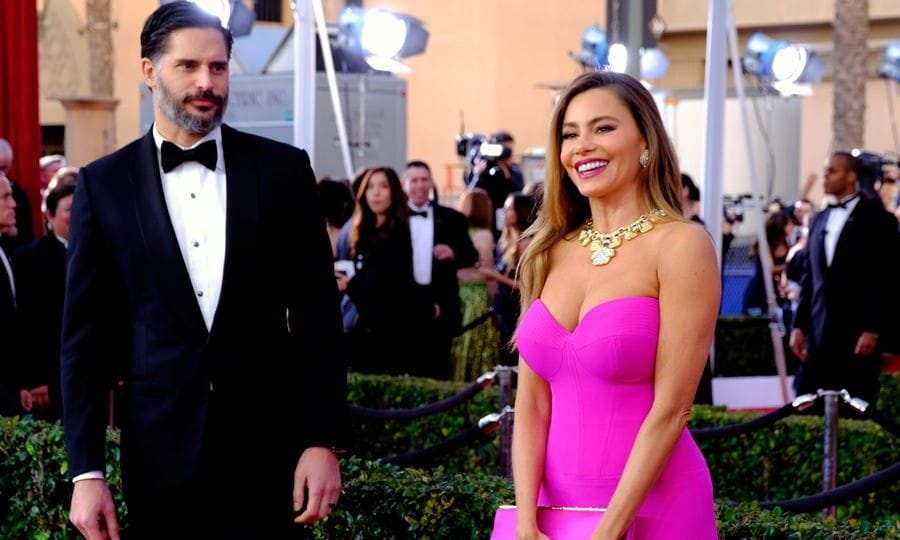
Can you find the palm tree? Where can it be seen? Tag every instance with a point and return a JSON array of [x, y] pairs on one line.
[[849, 73]]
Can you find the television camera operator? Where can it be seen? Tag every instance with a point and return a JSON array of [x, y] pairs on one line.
[[492, 167]]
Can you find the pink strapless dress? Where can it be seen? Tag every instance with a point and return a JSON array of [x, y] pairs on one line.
[[601, 380]]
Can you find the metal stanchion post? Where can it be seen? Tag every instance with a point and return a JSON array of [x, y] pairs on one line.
[[504, 374], [830, 444]]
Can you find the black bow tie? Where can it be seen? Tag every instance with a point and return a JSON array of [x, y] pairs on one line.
[[171, 156], [413, 213], [843, 204]]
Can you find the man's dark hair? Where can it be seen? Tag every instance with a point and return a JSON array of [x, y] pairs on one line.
[[502, 137], [175, 16], [853, 162], [693, 191], [418, 163], [63, 189]]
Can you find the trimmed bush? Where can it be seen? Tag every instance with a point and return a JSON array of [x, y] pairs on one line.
[[382, 501], [376, 438]]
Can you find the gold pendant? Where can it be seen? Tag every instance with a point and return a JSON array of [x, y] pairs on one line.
[[645, 226], [629, 234]]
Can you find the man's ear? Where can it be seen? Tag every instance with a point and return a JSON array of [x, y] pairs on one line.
[[148, 72]]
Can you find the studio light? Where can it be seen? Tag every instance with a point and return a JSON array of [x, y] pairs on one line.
[[890, 66], [234, 15], [594, 48], [381, 37], [597, 53], [784, 64]]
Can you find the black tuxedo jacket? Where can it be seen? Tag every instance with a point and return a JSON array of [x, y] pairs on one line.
[[451, 228], [9, 342], [234, 404], [839, 302], [40, 270]]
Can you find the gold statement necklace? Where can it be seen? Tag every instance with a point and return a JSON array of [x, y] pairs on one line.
[[603, 245]]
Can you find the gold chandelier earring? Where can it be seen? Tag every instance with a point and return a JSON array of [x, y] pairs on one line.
[[645, 158]]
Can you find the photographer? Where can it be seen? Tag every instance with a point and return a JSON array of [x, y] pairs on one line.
[[494, 171]]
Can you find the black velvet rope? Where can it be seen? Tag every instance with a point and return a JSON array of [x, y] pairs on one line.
[[477, 321], [415, 456], [438, 406], [705, 434], [884, 477]]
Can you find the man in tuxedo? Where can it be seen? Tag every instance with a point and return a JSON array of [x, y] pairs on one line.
[[441, 246], [200, 275], [843, 313], [40, 273], [9, 358]]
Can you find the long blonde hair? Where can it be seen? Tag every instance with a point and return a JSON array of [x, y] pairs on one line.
[[564, 209]]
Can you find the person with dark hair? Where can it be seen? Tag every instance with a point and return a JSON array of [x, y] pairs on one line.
[[40, 273], [200, 275], [441, 246], [337, 206], [755, 302], [844, 318], [690, 198], [392, 312], [619, 300]]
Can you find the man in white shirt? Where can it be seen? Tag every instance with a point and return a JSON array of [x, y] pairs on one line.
[[843, 315], [200, 275], [441, 246]]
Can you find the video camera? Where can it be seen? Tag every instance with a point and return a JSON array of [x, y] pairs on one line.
[[475, 147], [733, 207]]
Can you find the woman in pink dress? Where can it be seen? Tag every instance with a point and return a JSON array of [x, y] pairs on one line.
[[620, 295]]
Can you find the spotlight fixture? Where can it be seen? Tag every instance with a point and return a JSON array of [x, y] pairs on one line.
[[597, 53], [234, 15], [890, 66], [381, 37], [784, 64]]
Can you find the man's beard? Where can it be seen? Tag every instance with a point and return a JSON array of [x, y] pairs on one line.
[[175, 109]]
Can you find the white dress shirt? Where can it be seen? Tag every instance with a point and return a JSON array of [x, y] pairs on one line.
[[195, 198], [8, 269], [421, 230], [837, 218]]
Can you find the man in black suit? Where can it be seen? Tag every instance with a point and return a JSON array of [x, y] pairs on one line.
[[200, 275], [842, 315], [9, 339], [40, 273], [22, 234], [441, 246]]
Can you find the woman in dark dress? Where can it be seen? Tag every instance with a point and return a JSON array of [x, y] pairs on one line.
[[382, 287]]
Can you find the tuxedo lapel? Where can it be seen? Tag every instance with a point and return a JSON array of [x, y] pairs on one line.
[[241, 218], [159, 237]]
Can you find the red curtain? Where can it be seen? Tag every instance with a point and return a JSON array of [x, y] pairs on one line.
[[20, 122]]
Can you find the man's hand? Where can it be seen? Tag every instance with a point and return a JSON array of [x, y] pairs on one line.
[[866, 344], [319, 474], [40, 396], [443, 252], [93, 511], [798, 344]]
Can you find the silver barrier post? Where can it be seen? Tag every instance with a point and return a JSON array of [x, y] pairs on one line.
[[830, 444], [504, 373]]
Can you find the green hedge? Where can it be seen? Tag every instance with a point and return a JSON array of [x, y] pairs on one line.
[[382, 501], [376, 438], [784, 461], [779, 462]]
